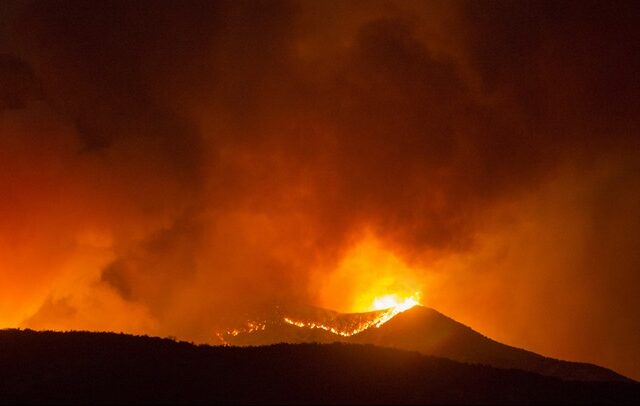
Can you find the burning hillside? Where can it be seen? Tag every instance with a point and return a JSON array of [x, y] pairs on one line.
[[406, 326], [357, 325], [170, 167], [312, 318]]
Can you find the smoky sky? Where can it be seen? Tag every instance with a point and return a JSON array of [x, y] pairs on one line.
[[167, 166]]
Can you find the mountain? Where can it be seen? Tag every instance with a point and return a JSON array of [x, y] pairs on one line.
[[418, 329], [430, 332], [99, 368]]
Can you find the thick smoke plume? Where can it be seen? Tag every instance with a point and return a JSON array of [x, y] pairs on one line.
[[166, 167]]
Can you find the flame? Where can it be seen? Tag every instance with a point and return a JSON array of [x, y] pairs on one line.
[[387, 305], [360, 285], [386, 308], [370, 277], [398, 306], [312, 325], [389, 301], [250, 327]]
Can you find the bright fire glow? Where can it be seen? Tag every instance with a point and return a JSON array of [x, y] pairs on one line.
[[389, 301], [371, 280], [388, 306], [370, 277]]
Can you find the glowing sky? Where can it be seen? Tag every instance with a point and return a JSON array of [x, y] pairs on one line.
[[166, 166]]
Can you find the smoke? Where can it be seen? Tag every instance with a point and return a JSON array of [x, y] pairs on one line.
[[169, 167]]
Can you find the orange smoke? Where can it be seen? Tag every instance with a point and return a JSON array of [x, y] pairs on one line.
[[370, 277], [171, 167]]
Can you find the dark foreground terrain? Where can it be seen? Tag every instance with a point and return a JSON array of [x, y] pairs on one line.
[[45, 367]]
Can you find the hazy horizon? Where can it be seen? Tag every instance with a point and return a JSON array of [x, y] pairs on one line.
[[168, 166]]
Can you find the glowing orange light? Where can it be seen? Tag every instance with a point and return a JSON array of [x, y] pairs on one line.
[[370, 277], [387, 305], [392, 301]]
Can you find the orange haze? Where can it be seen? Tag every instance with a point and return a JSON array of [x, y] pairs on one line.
[[167, 167]]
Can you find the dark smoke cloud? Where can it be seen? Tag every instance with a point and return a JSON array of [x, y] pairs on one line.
[[18, 83], [199, 156]]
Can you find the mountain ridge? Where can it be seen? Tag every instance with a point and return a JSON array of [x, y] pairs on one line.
[[428, 332]]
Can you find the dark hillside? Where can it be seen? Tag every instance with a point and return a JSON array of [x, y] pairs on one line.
[[46, 367], [430, 332]]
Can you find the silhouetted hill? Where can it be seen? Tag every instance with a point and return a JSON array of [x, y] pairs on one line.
[[429, 332], [426, 331], [46, 367]]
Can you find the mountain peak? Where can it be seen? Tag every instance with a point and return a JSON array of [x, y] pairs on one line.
[[419, 328]]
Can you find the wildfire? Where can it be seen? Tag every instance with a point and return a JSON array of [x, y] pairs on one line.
[[321, 326], [391, 301], [382, 309], [371, 276], [250, 327], [388, 307]]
